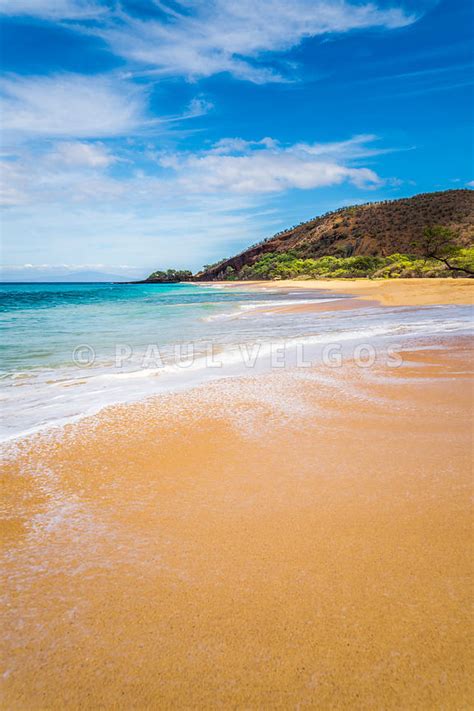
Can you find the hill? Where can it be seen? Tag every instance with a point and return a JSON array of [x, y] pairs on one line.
[[376, 229]]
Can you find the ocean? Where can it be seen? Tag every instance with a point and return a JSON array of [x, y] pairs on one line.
[[68, 350]]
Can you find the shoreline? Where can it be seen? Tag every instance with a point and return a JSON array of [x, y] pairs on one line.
[[274, 540], [388, 292], [359, 296]]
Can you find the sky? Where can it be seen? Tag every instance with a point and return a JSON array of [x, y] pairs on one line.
[[147, 134]]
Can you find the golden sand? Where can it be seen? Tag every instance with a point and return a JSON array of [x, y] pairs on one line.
[[390, 292], [297, 540], [317, 306]]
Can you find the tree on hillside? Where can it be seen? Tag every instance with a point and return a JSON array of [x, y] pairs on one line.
[[439, 243]]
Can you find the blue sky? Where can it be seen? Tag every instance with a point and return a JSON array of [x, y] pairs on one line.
[[142, 134]]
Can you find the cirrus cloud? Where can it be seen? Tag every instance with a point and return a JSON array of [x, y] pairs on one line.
[[81, 107], [52, 9], [70, 105], [199, 38]]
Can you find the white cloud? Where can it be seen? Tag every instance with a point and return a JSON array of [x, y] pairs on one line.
[[75, 153], [239, 145], [49, 179], [52, 9], [175, 232], [77, 106], [197, 107], [199, 38], [70, 105], [470, 184], [234, 165], [76, 171], [70, 171], [353, 148], [205, 37], [211, 202]]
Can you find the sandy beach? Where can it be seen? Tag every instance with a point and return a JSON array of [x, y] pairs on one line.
[[389, 292], [300, 539], [372, 292], [225, 489]]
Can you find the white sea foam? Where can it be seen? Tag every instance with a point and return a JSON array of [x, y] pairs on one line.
[[264, 306], [52, 398], [42, 388]]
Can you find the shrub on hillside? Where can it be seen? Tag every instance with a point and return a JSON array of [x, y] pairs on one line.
[[290, 265]]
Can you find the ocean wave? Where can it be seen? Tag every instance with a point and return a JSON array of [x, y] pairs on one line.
[[59, 397]]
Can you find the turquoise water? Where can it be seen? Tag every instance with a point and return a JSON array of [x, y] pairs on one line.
[[69, 349], [43, 323]]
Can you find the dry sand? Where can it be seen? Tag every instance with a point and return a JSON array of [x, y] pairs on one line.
[[389, 292], [290, 541]]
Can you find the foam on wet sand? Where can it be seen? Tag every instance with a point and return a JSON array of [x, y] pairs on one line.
[[296, 539]]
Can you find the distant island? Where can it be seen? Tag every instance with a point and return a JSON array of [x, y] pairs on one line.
[[428, 235]]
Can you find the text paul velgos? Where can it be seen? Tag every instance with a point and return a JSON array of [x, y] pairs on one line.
[[277, 355]]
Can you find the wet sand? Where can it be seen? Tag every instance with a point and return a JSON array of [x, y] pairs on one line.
[[316, 307], [296, 540], [389, 292]]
